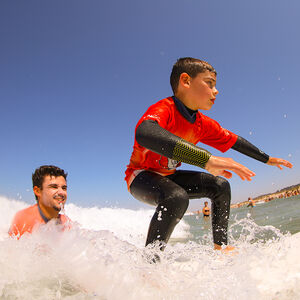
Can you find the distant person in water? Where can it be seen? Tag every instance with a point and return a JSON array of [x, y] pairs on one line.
[[206, 210], [50, 190], [251, 202], [167, 134]]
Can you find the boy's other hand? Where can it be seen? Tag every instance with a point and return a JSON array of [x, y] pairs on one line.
[[277, 162], [219, 166]]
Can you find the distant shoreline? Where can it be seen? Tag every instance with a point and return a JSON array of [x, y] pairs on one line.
[[283, 193]]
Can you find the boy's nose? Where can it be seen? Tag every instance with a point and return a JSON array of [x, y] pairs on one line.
[[215, 91]]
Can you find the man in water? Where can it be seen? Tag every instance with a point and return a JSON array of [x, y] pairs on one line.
[[251, 202], [167, 134], [206, 210], [50, 190]]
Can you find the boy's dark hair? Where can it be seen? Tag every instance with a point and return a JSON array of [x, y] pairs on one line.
[[40, 173], [189, 65]]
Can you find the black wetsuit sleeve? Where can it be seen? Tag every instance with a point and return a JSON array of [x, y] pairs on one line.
[[152, 136], [245, 147]]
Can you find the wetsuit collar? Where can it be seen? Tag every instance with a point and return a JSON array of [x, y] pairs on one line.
[[42, 215], [186, 112]]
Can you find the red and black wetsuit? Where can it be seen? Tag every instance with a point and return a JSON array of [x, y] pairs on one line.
[[151, 175]]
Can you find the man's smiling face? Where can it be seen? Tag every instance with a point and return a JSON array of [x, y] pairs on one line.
[[53, 193]]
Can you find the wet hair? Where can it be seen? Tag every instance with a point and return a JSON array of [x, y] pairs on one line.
[[40, 173], [189, 65]]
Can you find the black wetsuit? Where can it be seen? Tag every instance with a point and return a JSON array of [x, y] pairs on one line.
[[170, 194]]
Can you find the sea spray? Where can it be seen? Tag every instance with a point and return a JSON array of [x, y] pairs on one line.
[[105, 262], [128, 225], [62, 209], [85, 263]]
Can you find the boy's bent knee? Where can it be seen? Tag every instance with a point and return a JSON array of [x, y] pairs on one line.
[[176, 203], [223, 186]]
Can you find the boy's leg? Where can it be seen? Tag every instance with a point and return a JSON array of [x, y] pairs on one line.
[[204, 185], [171, 200]]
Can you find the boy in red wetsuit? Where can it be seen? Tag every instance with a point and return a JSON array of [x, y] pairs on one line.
[[50, 189], [166, 135]]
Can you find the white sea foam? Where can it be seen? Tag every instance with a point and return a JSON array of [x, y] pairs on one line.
[[101, 258], [126, 224]]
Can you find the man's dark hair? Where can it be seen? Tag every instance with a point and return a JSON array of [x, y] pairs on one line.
[[40, 173], [189, 65]]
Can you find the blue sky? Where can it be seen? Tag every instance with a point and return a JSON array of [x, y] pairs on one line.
[[76, 76]]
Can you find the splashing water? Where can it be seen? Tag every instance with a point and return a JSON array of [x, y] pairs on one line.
[[62, 209], [107, 261]]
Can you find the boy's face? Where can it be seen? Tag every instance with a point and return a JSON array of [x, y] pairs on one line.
[[200, 92]]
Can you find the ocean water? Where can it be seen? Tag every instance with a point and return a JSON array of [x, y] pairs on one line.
[[103, 257]]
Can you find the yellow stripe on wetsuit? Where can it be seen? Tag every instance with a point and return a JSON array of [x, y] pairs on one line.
[[189, 153]]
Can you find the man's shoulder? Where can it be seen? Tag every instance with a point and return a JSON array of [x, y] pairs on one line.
[[28, 209], [24, 221], [27, 212]]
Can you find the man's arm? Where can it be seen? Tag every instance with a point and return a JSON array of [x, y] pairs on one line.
[[152, 136]]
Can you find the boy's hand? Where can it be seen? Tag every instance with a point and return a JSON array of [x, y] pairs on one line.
[[273, 161], [218, 166]]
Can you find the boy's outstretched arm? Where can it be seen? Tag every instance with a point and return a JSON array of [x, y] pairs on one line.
[[152, 136], [245, 147], [278, 162]]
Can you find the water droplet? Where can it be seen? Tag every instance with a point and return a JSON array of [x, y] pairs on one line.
[[159, 216]]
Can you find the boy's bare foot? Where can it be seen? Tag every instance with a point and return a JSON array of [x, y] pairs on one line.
[[227, 250]]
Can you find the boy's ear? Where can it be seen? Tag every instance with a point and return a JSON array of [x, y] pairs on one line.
[[37, 191], [185, 80]]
